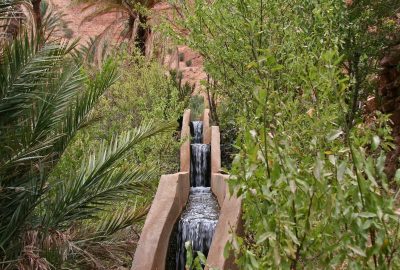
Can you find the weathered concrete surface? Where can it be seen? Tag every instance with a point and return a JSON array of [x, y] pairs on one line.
[[171, 197], [206, 127], [230, 221], [185, 147], [218, 183], [219, 186], [215, 150]]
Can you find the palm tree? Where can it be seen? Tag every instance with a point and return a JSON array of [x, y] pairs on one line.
[[135, 11], [28, 15], [45, 99], [12, 18], [37, 13]]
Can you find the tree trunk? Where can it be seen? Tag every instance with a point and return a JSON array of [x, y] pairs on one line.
[[355, 89], [142, 34], [131, 23], [37, 14], [388, 102]]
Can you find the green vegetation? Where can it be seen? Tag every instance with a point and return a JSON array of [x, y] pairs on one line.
[[196, 106], [83, 144], [134, 12], [194, 261], [291, 77], [141, 94], [78, 157]]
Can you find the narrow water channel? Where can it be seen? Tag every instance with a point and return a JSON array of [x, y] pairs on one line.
[[200, 217]]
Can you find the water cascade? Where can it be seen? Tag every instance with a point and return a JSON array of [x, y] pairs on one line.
[[199, 219], [197, 131], [200, 165]]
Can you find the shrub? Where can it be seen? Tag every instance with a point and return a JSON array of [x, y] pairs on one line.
[[196, 106], [309, 170], [142, 93], [41, 115]]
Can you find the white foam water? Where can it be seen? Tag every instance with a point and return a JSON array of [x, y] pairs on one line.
[[200, 217], [197, 223]]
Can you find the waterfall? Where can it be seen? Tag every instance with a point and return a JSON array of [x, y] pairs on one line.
[[197, 131], [199, 167], [200, 217], [197, 223]]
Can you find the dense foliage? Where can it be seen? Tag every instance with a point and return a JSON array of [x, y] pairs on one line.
[[133, 22], [292, 77], [143, 92], [288, 81], [74, 177]]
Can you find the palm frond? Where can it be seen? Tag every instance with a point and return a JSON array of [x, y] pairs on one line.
[[25, 70], [43, 102], [13, 18], [8, 5], [37, 91], [52, 109], [102, 9], [99, 183], [52, 21], [77, 115], [84, 201], [16, 205], [109, 240], [121, 219], [97, 49]]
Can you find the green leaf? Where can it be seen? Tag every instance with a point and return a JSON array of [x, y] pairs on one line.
[[227, 250], [375, 142], [277, 68], [202, 258], [333, 135], [397, 176], [292, 236], [252, 65], [318, 167], [254, 261], [367, 215], [277, 256], [265, 236], [358, 251], [189, 254], [370, 170], [341, 170], [293, 186]]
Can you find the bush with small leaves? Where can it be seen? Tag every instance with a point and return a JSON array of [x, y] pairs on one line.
[[291, 76]]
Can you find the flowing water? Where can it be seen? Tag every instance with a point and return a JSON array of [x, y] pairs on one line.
[[197, 131], [197, 223], [200, 217], [200, 165]]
